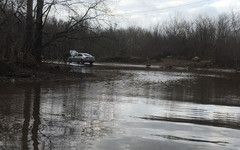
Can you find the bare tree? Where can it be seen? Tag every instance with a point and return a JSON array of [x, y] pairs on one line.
[[94, 12], [11, 26], [28, 36], [235, 26], [37, 49]]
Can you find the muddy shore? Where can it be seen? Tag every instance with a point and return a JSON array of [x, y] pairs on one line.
[[46, 72], [10, 73]]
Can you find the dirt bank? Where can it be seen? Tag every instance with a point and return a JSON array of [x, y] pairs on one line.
[[10, 73]]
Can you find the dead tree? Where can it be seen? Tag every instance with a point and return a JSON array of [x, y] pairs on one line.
[[37, 49], [95, 11], [28, 37]]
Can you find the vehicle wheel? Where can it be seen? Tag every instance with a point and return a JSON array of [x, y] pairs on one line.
[[82, 61]]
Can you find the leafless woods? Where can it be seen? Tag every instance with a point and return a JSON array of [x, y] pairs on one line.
[[36, 33], [28, 27]]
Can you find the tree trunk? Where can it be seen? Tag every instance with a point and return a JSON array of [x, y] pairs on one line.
[[37, 51], [28, 37]]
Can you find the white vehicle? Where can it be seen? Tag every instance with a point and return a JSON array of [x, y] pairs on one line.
[[80, 57]]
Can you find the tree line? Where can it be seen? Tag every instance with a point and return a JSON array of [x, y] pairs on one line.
[[213, 39]]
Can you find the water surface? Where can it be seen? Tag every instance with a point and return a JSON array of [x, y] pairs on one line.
[[123, 109]]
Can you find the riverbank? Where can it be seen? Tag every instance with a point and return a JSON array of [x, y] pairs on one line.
[[54, 70], [173, 64], [11, 73], [195, 62]]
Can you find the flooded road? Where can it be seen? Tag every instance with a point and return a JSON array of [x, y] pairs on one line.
[[123, 109]]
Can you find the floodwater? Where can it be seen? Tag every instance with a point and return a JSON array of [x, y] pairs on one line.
[[123, 109]]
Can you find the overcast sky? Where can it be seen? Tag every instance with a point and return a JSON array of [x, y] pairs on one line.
[[147, 13]]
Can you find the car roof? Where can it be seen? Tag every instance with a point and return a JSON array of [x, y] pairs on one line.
[[84, 53]]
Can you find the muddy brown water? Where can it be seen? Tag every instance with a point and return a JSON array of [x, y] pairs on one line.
[[123, 109]]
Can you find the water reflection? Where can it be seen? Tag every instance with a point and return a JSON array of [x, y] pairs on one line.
[[57, 116], [87, 68], [220, 89], [124, 109], [74, 115], [36, 117], [207, 90], [26, 113]]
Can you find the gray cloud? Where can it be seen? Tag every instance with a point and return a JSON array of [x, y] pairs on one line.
[[144, 13]]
